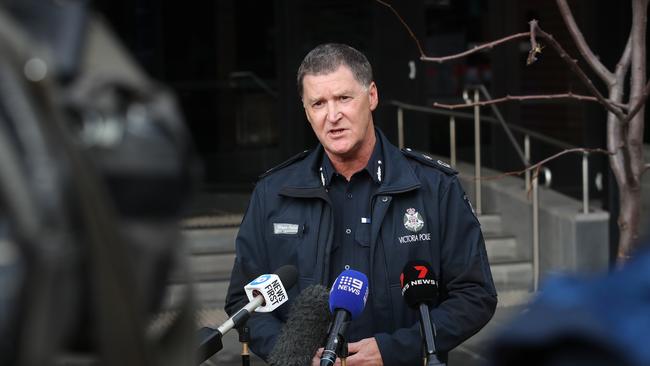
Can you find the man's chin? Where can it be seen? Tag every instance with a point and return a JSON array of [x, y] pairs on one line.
[[340, 151]]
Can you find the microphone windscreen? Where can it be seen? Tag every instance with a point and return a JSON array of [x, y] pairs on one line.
[[288, 275], [419, 285], [349, 292], [305, 329]]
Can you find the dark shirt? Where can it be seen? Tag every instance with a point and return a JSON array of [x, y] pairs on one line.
[[351, 246]]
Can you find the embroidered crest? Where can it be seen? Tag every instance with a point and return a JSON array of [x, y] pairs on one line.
[[413, 220]]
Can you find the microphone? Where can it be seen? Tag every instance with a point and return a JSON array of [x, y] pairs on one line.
[[305, 329], [420, 290], [348, 297], [265, 293]]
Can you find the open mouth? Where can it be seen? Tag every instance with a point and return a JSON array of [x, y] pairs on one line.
[[336, 132]]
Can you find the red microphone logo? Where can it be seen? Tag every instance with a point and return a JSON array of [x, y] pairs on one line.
[[401, 279], [422, 272]]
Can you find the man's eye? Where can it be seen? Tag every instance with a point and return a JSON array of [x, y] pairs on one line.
[[317, 104], [345, 98]]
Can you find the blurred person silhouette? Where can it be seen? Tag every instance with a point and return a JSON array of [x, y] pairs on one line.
[[95, 167], [603, 320]]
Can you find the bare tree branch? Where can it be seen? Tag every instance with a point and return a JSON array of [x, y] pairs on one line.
[[485, 46], [541, 163], [508, 98], [624, 63], [638, 90], [408, 29], [534, 31], [614, 126], [639, 104], [424, 57], [576, 69], [584, 49]]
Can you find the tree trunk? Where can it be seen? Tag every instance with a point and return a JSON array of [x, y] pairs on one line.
[[630, 183], [628, 221]]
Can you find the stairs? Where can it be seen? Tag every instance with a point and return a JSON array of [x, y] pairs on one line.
[[210, 244], [513, 278], [210, 254], [511, 271]]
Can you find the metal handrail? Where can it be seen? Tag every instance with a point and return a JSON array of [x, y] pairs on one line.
[[443, 112], [531, 184]]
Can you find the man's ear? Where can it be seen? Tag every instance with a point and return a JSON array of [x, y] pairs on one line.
[[373, 95]]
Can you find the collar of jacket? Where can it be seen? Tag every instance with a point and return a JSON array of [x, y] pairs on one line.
[[306, 181]]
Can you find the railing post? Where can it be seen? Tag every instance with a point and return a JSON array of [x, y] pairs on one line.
[[400, 127], [452, 141], [477, 152], [535, 233], [585, 183], [527, 155]]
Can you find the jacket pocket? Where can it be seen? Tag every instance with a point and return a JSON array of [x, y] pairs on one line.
[[362, 235], [285, 237]]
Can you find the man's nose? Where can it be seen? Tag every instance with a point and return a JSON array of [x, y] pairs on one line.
[[333, 113]]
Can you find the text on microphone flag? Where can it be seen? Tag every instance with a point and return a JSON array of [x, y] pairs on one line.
[[275, 292]]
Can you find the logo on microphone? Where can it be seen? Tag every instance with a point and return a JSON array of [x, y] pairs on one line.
[[416, 275], [261, 279], [422, 271], [350, 284]]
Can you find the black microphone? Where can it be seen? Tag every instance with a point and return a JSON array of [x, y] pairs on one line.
[[265, 293], [305, 329], [420, 290]]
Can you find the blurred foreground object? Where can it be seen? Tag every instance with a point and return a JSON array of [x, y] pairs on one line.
[[95, 166], [598, 321]]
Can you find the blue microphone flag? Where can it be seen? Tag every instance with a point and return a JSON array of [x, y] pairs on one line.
[[349, 292]]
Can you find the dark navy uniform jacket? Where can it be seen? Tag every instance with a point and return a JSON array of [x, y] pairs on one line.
[[289, 221]]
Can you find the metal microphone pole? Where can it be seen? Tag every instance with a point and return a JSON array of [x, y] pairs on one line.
[[244, 338], [343, 351], [428, 338]]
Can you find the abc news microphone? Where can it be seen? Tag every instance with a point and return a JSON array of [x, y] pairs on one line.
[[265, 294], [420, 291], [348, 297]]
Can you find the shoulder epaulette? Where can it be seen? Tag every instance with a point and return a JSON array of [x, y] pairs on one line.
[[430, 161], [287, 162]]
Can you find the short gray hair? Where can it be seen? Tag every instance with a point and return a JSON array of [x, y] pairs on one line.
[[327, 58]]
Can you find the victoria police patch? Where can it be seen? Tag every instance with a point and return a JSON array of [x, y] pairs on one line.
[[413, 220]]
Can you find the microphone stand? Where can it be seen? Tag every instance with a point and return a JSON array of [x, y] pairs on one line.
[[428, 340], [343, 351], [210, 343], [244, 338]]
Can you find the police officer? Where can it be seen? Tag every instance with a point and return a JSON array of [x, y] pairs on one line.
[[356, 201]]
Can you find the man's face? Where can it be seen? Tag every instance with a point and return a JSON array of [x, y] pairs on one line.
[[339, 110]]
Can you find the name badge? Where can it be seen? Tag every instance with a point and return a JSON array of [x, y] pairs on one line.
[[285, 229]]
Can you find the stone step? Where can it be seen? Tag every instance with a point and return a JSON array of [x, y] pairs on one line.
[[208, 294], [207, 267], [510, 298], [512, 276], [474, 351], [490, 223], [502, 249], [212, 221], [211, 241]]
